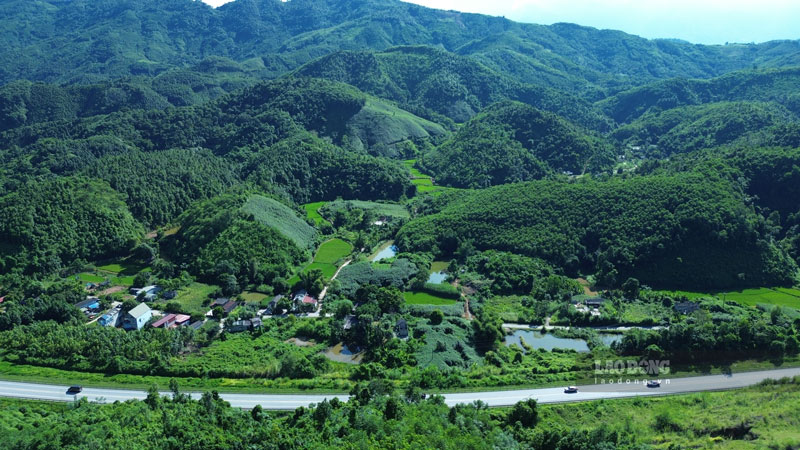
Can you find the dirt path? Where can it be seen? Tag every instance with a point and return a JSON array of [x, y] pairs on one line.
[[586, 289], [325, 289], [467, 314]]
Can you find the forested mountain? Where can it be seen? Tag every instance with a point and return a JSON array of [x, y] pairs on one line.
[[511, 142], [253, 128], [91, 40], [773, 85], [25, 103], [433, 83]]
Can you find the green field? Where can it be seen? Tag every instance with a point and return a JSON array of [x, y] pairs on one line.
[[332, 251], [788, 297], [326, 257], [439, 266], [276, 215], [423, 298], [379, 209], [253, 297], [90, 278], [312, 212], [119, 273], [192, 298], [767, 296]]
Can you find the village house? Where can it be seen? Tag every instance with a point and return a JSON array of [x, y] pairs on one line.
[[401, 329], [226, 304], [90, 304], [164, 322], [304, 302], [272, 305], [686, 307], [136, 318], [147, 293], [240, 326], [111, 318]]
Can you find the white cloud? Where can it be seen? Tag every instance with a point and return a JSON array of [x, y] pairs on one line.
[[216, 3]]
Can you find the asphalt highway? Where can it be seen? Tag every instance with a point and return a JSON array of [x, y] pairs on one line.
[[603, 389]]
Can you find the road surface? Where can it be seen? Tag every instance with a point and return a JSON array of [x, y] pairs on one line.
[[628, 388]]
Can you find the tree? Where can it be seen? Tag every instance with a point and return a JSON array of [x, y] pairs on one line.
[[217, 313], [129, 304], [631, 288], [284, 305], [142, 279], [390, 299], [436, 317], [487, 331], [525, 412], [313, 281], [257, 413], [342, 308], [229, 284]]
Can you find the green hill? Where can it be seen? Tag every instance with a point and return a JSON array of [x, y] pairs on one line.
[[283, 219], [244, 235], [776, 85], [433, 83], [47, 224], [689, 128], [386, 130], [686, 230], [511, 142]]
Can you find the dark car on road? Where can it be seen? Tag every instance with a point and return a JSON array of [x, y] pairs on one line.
[[571, 390], [653, 384], [73, 390]]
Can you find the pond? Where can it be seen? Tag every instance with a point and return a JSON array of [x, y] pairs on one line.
[[546, 341], [609, 339], [385, 253], [437, 277]]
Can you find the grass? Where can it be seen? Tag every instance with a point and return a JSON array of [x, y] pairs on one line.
[[329, 253], [424, 298], [119, 273], [283, 219], [312, 212], [192, 298], [90, 278], [509, 308], [788, 297], [439, 266], [332, 251], [692, 420], [253, 297], [767, 296]]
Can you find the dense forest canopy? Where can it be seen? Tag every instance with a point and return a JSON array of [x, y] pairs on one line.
[[511, 142], [686, 230]]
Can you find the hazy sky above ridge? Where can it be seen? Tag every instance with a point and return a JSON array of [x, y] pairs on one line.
[[698, 21]]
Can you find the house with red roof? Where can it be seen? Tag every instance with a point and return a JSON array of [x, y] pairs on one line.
[[165, 322]]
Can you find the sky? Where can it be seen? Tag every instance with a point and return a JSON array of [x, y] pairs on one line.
[[697, 21]]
